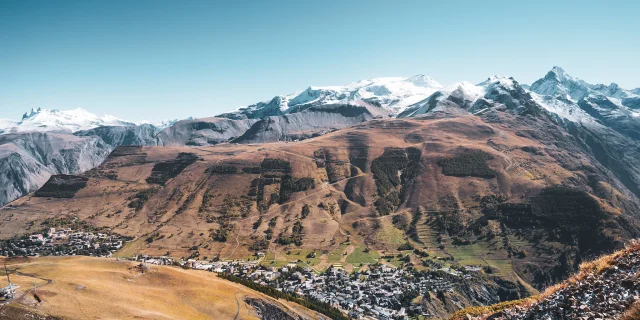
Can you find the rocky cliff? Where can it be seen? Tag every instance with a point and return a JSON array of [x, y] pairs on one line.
[[28, 160]]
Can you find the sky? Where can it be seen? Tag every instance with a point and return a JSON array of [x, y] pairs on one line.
[[153, 60]]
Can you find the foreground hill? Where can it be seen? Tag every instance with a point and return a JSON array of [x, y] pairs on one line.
[[87, 288]]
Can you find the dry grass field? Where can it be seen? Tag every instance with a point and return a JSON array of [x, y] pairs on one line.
[[99, 288]]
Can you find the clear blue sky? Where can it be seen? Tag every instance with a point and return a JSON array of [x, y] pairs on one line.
[[172, 59]]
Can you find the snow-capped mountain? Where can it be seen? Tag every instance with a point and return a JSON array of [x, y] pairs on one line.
[[392, 93], [602, 110], [579, 101], [496, 92], [61, 121], [460, 95], [7, 123], [558, 82], [557, 94], [163, 123]]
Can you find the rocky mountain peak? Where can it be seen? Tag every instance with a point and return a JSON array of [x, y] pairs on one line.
[[559, 73], [31, 113]]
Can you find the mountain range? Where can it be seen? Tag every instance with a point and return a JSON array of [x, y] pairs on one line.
[[308, 113], [523, 182]]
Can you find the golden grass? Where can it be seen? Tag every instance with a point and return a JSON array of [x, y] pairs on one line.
[[91, 288], [633, 313], [479, 311]]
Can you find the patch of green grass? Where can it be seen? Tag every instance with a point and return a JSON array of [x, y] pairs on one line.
[[360, 256], [271, 261], [301, 254], [472, 252], [335, 255], [388, 234], [477, 254], [505, 266], [393, 261]]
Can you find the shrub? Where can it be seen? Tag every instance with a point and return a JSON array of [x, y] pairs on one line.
[[165, 170], [251, 170], [62, 186], [272, 164], [469, 163], [140, 198], [290, 185], [305, 211], [223, 169]]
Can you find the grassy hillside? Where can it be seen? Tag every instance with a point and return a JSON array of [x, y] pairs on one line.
[[89, 288]]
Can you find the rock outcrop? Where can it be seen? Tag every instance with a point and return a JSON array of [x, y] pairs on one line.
[[142, 135], [203, 132], [311, 122]]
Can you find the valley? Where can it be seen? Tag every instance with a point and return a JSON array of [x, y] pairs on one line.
[[472, 196]]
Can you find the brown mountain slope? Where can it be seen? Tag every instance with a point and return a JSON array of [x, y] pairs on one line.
[[516, 195]]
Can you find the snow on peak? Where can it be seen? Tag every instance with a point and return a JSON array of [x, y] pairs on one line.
[[466, 91], [6, 124], [576, 100], [66, 121], [498, 81], [559, 83], [392, 93], [560, 74], [31, 113], [421, 80], [162, 123]]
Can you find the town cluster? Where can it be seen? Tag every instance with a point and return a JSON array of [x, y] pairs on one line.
[[380, 292], [63, 242], [377, 291]]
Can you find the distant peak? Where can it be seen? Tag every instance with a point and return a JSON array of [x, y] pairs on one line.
[[418, 77], [497, 79], [31, 113], [423, 81], [559, 73]]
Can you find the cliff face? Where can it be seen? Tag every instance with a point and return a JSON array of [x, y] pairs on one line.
[[309, 123], [143, 135], [202, 132], [27, 160]]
